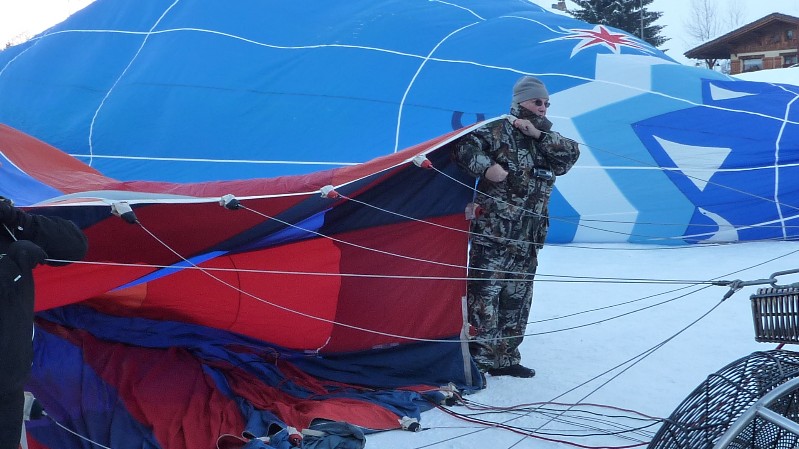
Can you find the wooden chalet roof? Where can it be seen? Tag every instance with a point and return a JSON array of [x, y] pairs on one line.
[[722, 47]]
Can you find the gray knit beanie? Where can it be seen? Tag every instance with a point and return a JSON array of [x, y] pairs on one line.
[[527, 88]]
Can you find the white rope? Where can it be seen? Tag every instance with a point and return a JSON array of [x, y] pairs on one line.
[[121, 75], [76, 434], [557, 277], [293, 311], [207, 271], [579, 222], [410, 84]]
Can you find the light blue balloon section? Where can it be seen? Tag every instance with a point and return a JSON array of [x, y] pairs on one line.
[[196, 91]]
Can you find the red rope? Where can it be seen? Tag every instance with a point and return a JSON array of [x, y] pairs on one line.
[[513, 407], [532, 435]]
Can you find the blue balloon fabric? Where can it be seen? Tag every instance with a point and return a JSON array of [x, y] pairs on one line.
[[198, 91], [182, 91]]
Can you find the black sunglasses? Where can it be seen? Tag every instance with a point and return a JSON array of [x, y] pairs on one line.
[[539, 102]]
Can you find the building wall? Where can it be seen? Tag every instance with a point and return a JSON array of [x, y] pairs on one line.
[[771, 47]]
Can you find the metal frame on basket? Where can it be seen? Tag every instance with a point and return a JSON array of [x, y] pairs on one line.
[[758, 415], [752, 403]]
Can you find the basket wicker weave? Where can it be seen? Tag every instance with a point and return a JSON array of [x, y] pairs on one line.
[[775, 312]]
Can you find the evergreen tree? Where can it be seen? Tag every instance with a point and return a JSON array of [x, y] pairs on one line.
[[622, 14]]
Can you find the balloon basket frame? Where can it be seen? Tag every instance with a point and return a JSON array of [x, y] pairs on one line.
[[775, 312]]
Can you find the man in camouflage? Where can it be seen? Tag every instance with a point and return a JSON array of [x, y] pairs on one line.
[[516, 160]]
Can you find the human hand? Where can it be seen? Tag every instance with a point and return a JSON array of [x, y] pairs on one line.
[[8, 213], [527, 128], [26, 254], [496, 173]]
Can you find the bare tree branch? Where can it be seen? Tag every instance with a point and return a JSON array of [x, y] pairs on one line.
[[707, 21], [735, 14], [702, 23]]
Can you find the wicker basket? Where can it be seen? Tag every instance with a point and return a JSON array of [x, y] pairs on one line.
[[776, 315]]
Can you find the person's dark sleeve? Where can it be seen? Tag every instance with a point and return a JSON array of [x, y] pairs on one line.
[[61, 239], [9, 274]]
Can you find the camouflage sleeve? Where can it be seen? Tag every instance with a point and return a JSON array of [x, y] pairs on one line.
[[560, 152], [471, 152]]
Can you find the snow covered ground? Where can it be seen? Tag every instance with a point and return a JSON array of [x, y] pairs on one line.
[[612, 348], [597, 310], [788, 75]]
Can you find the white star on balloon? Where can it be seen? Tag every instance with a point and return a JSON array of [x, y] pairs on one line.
[[599, 35]]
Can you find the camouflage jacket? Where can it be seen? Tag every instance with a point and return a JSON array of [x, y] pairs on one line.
[[514, 211]]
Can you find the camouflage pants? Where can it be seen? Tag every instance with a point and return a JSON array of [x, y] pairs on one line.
[[499, 303]]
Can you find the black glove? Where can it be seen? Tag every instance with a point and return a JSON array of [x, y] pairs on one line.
[[26, 254], [9, 215]]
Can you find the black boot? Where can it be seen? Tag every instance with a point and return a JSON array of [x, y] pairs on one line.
[[513, 371]]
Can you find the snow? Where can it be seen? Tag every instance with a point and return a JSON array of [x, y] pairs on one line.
[[583, 356], [788, 75], [598, 337], [593, 333]]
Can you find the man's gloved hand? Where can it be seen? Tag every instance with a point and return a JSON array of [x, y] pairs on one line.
[[26, 254], [9, 215]]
